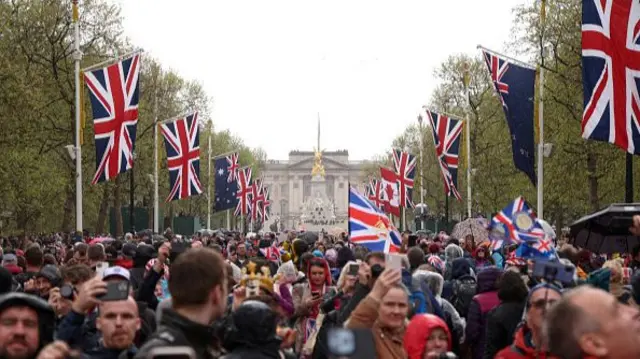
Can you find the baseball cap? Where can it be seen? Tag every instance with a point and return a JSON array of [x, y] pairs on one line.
[[116, 271]]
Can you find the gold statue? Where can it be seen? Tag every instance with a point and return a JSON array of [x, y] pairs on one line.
[[318, 168]]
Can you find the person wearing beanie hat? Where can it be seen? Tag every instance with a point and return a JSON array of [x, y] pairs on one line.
[[10, 262], [528, 340]]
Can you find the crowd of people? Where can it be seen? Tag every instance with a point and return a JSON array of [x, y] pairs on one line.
[[287, 295]]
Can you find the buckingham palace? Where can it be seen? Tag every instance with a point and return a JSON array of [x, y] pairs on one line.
[[298, 189]]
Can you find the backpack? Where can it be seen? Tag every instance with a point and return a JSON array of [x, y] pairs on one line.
[[464, 288]]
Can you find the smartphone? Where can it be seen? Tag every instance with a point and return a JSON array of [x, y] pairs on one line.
[[353, 269], [172, 353], [351, 343], [553, 271], [394, 261], [101, 267], [116, 290], [315, 294]]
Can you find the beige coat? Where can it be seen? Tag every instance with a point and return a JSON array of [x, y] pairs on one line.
[[388, 343]]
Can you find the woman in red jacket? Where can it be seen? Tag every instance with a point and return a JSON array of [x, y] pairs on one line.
[[427, 336]]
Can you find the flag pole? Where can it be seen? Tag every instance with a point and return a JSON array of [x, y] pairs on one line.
[[156, 195], [540, 179], [541, 146], [466, 78], [77, 57], [209, 186]]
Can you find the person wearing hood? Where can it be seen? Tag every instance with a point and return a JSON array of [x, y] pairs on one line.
[[503, 321], [427, 336], [49, 277], [461, 273], [484, 301], [435, 282], [481, 258], [143, 254], [27, 325], [528, 340], [451, 252], [253, 333], [308, 296]]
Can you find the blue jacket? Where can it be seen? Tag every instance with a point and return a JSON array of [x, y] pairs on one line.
[[79, 330], [100, 352]]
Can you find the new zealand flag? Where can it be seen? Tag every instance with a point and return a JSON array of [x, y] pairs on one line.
[[515, 85], [226, 186]]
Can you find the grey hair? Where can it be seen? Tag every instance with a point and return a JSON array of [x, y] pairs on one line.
[[566, 323]]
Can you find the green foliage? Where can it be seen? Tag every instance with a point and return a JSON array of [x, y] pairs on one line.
[[37, 187], [580, 176]]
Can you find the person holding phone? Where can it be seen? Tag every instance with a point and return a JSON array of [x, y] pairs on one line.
[[307, 297]]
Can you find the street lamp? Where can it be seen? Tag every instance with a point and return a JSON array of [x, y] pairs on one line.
[[132, 216]]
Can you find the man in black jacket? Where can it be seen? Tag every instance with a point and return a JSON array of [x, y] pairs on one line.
[[198, 286]]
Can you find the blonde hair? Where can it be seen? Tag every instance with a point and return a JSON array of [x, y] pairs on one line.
[[616, 270], [343, 274]]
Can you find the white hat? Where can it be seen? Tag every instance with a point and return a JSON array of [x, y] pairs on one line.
[[116, 271]]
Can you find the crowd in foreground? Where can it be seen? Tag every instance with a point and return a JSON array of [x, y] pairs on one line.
[[228, 295]]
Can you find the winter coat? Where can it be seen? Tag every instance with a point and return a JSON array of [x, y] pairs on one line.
[[175, 330], [103, 353], [502, 323], [482, 303], [460, 267], [418, 332], [389, 344], [522, 347]]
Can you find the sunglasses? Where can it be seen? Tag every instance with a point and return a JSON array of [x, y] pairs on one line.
[[541, 303]]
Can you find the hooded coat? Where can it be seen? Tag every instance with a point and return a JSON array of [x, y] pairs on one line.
[[419, 330], [482, 303]]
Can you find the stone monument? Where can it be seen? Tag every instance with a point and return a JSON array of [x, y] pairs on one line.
[[318, 211]]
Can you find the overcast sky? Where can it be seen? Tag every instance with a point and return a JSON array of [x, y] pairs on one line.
[[270, 66]]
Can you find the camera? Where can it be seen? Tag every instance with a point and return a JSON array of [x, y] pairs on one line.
[[67, 291]]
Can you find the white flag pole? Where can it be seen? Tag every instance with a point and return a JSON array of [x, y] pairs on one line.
[[540, 181], [77, 57]]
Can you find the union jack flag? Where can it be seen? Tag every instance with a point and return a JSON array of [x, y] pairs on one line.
[[370, 227], [266, 205], [516, 223], [611, 72], [232, 160], [375, 193], [244, 192], [182, 140], [405, 165], [114, 103], [446, 136], [257, 198]]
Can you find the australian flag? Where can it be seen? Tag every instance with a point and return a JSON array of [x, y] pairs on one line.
[[225, 190], [515, 85]]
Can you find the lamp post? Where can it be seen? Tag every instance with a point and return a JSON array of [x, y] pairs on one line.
[[421, 171], [132, 216]]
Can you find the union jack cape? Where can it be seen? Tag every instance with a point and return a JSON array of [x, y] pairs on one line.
[[114, 103], [243, 194], [611, 72], [182, 141], [446, 137]]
